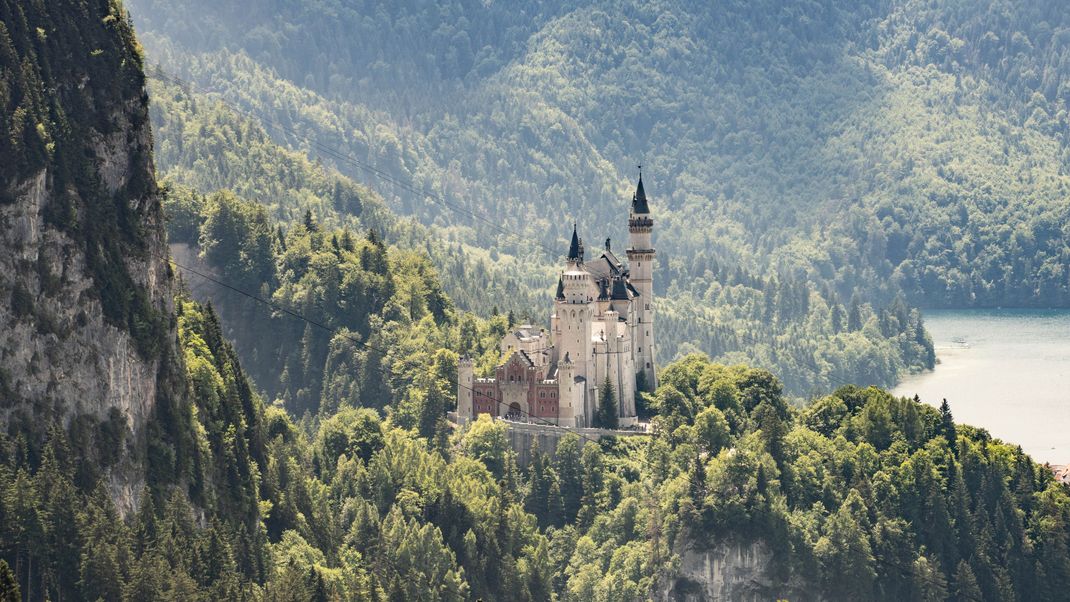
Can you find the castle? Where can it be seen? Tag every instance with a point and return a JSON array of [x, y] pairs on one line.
[[602, 327]]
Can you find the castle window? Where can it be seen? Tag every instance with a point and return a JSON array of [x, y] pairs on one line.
[[648, 364]]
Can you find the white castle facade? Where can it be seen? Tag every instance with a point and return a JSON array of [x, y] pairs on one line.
[[602, 327]]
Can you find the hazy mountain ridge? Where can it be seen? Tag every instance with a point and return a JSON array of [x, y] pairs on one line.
[[860, 495], [749, 117]]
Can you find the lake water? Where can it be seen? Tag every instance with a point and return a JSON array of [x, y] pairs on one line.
[[1007, 371]]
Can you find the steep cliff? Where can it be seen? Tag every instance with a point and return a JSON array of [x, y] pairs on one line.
[[86, 328], [728, 571]]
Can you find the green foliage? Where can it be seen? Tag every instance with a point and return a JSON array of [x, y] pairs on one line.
[[872, 145], [9, 585], [720, 307], [70, 86], [367, 292], [351, 433], [606, 415], [859, 496]]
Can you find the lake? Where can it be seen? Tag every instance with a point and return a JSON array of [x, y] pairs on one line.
[[1007, 371]]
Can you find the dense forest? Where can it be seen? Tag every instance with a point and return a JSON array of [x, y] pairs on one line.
[[347, 481], [879, 147], [858, 496], [813, 338]]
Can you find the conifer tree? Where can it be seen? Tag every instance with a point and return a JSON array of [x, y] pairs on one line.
[[966, 588], [854, 314], [9, 585], [569, 470], [947, 426], [606, 415]]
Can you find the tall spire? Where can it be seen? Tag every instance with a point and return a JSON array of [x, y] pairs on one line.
[[639, 205], [575, 252]]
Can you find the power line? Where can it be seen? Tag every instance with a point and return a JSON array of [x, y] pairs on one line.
[[344, 157], [499, 403], [382, 352], [349, 159]]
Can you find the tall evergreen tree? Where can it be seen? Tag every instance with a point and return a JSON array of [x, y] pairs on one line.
[[9, 585], [947, 426], [606, 415]]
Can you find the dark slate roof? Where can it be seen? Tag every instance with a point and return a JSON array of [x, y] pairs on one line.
[[574, 247], [527, 360], [560, 288], [612, 258], [620, 290], [606, 266], [603, 290], [639, 205]]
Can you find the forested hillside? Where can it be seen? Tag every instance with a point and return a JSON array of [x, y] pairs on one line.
[[371, 494], [877, 146], [808, 333], [85, 289]]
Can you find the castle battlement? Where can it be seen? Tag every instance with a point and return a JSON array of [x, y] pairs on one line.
[[601, 328]]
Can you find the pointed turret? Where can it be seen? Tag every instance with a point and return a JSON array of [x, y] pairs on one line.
[[560, 289], [639, 206], [575, 250], [641, 263]]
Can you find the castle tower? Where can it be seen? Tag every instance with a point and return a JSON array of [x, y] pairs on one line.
[[569, 394], [465, 371], [573, 325], [641, 265]]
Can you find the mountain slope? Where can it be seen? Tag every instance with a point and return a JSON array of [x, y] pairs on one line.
[[799, 328], [876, 146], [86, 289], [858, 496]]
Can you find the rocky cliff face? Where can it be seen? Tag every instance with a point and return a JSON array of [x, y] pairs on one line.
[[85, 287], [727, 572]]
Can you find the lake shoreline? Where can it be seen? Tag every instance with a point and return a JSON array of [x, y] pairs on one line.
[[1004, 370]]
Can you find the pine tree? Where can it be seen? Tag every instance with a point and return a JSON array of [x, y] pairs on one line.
[[432, 410], [697, 481], [846, 554], [854, 314], [544, 493], [929, 584], [606, 414], [947, 427], [569, 470], [966, 588], [9, 585]]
